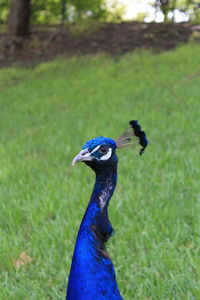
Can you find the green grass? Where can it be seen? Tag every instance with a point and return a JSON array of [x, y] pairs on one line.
[[46, 114]]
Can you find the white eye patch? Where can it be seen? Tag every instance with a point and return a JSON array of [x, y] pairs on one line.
[[107, 155], [95, 149], [104, 157]]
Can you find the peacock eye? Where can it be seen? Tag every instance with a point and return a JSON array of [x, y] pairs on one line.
[[103, 149]]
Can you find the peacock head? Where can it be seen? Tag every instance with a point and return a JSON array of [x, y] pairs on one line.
[[98, 152], [101, 151]]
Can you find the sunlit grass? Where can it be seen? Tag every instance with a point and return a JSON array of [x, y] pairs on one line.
[[46, 114]]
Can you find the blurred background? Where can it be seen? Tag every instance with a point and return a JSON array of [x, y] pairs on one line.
[[57, 11], [74, 70], [34, 31]]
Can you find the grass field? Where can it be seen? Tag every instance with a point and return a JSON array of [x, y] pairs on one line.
[[46, 114]]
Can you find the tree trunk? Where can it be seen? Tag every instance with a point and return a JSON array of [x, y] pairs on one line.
[[63, 10], [19, 17]]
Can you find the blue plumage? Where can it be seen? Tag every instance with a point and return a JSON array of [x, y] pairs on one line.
[[92, 275], [101, 140]]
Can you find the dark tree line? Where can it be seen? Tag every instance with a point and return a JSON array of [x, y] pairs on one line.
[[23, 12]]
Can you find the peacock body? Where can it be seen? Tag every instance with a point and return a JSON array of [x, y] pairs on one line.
[[92, 274]]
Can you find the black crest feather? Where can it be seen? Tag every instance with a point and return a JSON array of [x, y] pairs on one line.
[[140, 134], [133, 136]]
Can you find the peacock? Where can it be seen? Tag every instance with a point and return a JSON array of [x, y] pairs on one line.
[[92, 274]]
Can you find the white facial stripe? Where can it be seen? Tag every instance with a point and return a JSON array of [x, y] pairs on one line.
[[108, 155], [95, 149]]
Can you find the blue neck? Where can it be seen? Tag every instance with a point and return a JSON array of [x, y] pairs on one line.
[[96, 214], [92, 274]]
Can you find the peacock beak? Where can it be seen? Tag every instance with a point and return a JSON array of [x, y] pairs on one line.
[[84, 155]]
